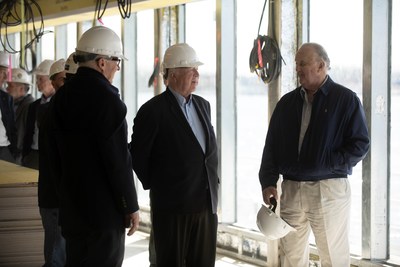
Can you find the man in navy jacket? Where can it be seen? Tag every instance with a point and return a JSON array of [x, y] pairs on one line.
[[317, 134], [174, 154]]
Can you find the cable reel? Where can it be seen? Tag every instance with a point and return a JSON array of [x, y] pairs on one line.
[[265, 57]]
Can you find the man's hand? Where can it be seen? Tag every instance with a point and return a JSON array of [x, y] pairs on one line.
[[132, 222], [269, 192]]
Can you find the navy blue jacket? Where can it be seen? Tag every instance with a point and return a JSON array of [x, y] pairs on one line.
[[335, 141], [169, 160]]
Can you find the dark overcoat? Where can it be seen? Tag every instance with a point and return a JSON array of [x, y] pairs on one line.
[[91, 158]]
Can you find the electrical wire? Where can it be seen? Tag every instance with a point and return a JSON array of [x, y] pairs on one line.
[[262, 15], [11, 16], [125, 7], [99, 11]]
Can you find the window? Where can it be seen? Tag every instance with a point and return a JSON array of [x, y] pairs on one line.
[[145, 63], [205, 47], [47, 44], [346, 68], [114, 23], [394, 229], [252, 114], [145, 58]]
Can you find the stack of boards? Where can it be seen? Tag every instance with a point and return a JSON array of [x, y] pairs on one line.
[[21, 231]]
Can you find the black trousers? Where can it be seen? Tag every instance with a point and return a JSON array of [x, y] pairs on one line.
[[185, 240], [96, 248]]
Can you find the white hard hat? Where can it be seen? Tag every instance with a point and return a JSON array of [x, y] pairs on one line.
[[180, 56], [44, 67], [101, 40], [20, 76], [56, 67], [271, 225], [70, 65], [4, 57]]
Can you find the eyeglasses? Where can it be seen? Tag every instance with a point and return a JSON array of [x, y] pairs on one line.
[[117, 59]]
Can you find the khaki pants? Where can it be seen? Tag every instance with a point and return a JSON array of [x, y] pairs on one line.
[[323, 207]]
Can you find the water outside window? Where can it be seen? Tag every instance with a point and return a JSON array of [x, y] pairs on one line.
[[395, 141], [252, 114], [145, 63]]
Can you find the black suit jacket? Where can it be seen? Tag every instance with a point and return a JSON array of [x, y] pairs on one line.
[[169, 160], [8, 118], [90, 155]]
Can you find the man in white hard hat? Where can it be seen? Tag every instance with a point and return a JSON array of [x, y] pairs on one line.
[[70, 66], [93, 164], [37, 109], [54, 243], [8, 134], [175, 155], [57, 74], [18, 87], [4, 65]]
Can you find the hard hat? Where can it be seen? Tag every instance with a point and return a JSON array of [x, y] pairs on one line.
[[20, 76], [180, 56], [70, 65], [4, 57], [101, 40], [271, 225], [44, 67], [56, 67]]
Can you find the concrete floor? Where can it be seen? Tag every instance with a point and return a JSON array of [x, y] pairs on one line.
[[136, 253]]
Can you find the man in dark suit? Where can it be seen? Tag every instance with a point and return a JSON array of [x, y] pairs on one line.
[[8, 134], [90, 156], [18, 88], [174, 154], [36, 113], [7, 128]]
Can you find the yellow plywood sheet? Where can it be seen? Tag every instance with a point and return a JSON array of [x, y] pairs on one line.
[[58, 12], [59, 8], [14, 174], [51, 8]]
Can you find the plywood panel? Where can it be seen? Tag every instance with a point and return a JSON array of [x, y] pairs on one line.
[[21, 231]]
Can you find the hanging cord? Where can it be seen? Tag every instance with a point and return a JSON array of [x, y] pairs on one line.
[[99, 11], [22, 12], [262, 15], [265, 57], [125, 7]]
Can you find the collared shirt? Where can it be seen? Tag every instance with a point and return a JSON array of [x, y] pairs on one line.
[[306, 114], [192, 117]]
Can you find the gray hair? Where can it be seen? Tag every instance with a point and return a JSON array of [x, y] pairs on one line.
[[321, 52], [81, 56]]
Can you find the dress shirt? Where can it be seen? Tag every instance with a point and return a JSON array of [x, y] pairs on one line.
[[192, 117]]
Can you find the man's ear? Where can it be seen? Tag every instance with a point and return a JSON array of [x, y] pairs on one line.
[[101, 63], [321, 64]]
